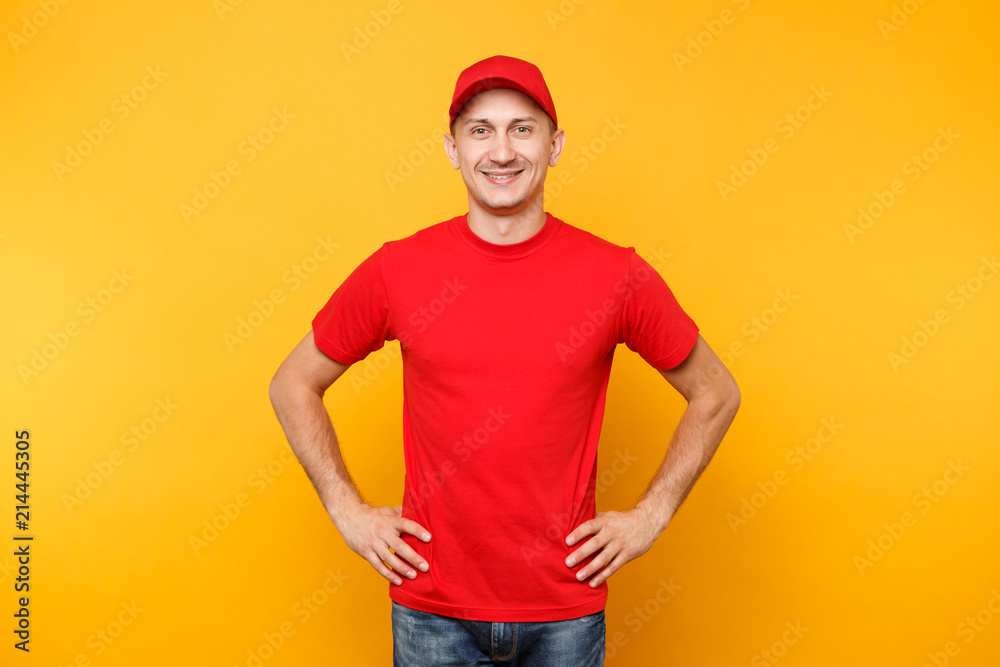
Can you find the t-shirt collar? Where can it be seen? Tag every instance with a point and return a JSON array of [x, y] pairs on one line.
[[511, 250]]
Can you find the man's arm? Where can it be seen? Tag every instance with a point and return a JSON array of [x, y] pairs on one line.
[[713, 399], [296, 393]]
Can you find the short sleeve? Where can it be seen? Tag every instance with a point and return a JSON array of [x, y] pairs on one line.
[[653, 324], [355, 321]]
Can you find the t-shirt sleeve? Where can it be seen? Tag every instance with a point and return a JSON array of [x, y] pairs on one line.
[[653, 324], [355, 321]]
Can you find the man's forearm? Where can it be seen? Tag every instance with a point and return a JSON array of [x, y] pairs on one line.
[[311, 436], [698, 435]]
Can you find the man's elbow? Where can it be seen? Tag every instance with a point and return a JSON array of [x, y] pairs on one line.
[[728, 397], [735, 397], [283, 385], [276, 389], [292, 383], [721, 400]]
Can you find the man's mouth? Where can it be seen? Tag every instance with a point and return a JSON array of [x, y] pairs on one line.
[[502, 176]]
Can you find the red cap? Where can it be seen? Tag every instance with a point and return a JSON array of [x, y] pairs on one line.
[[501, 72]]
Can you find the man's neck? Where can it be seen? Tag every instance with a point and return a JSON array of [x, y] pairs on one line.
[[507, 228]]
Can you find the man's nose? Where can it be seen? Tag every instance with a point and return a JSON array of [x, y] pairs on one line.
[[503, 149]]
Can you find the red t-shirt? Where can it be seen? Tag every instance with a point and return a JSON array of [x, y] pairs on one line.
[[506, 353]]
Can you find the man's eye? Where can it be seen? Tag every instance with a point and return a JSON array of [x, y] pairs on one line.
[[526, 129], [479, 130]]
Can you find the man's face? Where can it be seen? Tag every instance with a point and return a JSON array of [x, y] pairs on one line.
[[503, 143]]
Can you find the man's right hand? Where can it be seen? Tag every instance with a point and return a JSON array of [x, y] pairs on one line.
[[372, 531]]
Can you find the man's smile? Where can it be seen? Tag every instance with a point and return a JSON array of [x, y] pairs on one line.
[[502, 177]]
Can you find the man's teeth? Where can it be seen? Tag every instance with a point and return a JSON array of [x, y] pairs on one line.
[[501, 177]]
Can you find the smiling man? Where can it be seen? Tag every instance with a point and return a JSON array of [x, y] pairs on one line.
[[508, 319]]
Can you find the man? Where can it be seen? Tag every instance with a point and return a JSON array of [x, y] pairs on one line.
[[508, 319]]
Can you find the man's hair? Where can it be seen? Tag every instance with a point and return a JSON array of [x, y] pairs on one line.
[[552, 124]]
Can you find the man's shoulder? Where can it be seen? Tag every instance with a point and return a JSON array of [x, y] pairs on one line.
[[590, 241], [430, 234]]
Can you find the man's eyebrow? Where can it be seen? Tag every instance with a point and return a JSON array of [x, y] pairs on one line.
[[513, 121]]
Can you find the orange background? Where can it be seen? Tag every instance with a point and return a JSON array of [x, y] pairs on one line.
[[732, 143]]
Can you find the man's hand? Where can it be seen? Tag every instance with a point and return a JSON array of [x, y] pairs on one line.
[[619, 536], [372, 531], [713, 399]]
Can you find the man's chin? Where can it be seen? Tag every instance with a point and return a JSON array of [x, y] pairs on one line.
[[503, 205]]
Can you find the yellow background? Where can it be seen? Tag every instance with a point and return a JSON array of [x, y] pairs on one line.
[[360, 115]]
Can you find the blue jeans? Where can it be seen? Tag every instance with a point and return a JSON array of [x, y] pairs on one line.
[[422, 639]]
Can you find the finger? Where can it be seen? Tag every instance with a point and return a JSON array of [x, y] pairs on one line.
[[395, 562], [406, 552], [586, 528], [586, 549], [413, 528], [602, 559], [382, 568], [602, 576]]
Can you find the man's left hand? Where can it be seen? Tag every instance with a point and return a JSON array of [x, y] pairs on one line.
[[618, 537]]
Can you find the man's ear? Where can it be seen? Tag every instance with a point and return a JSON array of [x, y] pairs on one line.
[[451, 148], [556, 148]]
